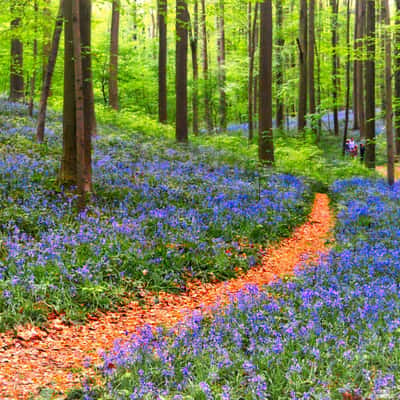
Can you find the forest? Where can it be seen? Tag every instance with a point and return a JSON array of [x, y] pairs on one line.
[[199, 199]]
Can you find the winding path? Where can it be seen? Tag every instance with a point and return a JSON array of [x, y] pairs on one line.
[[34, 359]]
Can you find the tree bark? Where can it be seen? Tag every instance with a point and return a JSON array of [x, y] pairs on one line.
[[88, 95], [68, 173], [35, 56], [252, 49], [162, 61], [311, 62], [346, 122], [397, 78], [266, 142], [221, 65], [207, 92], [49, 74], [17, 89], [280, 108], [335, 11], [302, 43], [195, 66], [370, 86], [83, 179], [181, 71], [113, 82], [388, 96]]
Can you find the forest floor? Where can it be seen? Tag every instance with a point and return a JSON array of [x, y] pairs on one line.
[[42, 362]]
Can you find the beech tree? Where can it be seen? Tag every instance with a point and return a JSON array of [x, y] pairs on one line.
[[335, 64], [388, 95], [370, 86], [76, 161], [207, 92], [114, 39], [280, 43], [302, 43], [266, 142], [194, 39], [49, 70], [17, 88], [221, 64], [251, 49], [182, 22], [162, 61]]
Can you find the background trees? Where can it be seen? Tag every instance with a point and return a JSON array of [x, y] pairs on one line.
[[135, 64]]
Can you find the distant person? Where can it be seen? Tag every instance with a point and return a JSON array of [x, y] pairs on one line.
[[347, 147], [362, 152], [351, 145]]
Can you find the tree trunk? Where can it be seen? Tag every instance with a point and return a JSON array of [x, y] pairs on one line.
[[221, 66], [397, 78], [388, 96], [34, 69], [370, 86], [83, 178], [88, 95], [49, 74], [251, 49], [68, 173], [346, 122], [335, 11], [17, 90], [113, 82], [266, 143], [360, 17], [302, 43], [319, 90], [207, 92], [181, 71], [46, 47], [356, 96], [77, 123], [195, 66], [279, 75], [162, 61], [311, 62]]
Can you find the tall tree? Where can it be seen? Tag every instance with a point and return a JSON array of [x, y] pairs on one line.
[[251, 50], [76, 161], [280, 43], [88, 96], [302, 43], [16, 71], [113, 82], [397, 79], [35, 56], [68, 172], [346, 122], [370, 86], [359, 112], [194, 39], [221, 64], [162, 61], [84, 181], [335, 64], [207, 91], [49, 74], [182, 22], [388, 95], [266, 142], [311, 61]]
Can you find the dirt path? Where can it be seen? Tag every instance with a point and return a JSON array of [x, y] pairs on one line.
[[54, 359]]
